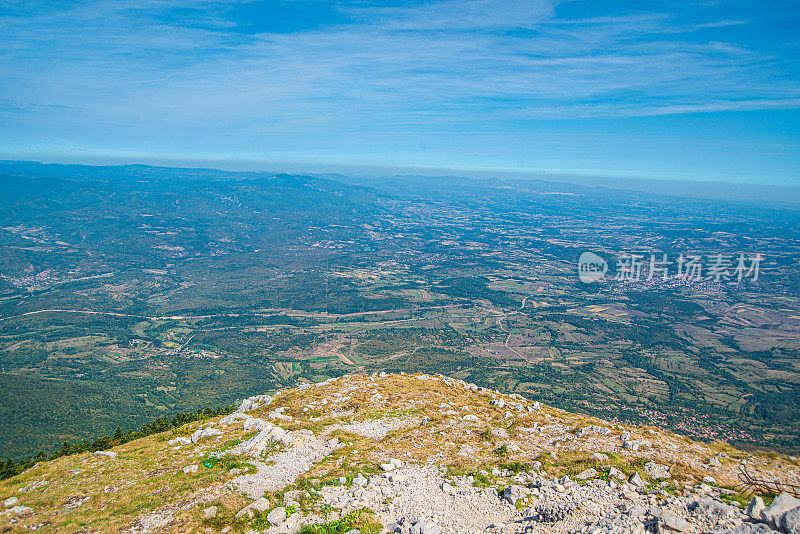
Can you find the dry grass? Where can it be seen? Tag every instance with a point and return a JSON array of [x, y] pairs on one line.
[[148, 475]]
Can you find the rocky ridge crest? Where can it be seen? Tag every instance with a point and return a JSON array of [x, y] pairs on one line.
[[402, 453]]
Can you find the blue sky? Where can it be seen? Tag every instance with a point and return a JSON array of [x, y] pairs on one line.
[[700, 90]]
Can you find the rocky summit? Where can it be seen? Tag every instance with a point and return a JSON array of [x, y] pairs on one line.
[[415, 454]]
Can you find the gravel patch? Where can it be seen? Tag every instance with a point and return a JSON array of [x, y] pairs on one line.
[[377, 428]]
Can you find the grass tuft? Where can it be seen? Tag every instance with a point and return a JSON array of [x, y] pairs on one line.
[[363, 520]]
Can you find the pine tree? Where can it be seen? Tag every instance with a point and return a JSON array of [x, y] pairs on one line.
[[9, 469]]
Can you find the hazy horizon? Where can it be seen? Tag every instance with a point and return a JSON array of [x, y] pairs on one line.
[[777, 193]]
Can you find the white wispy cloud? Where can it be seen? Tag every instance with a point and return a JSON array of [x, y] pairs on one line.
[[433, 63]]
